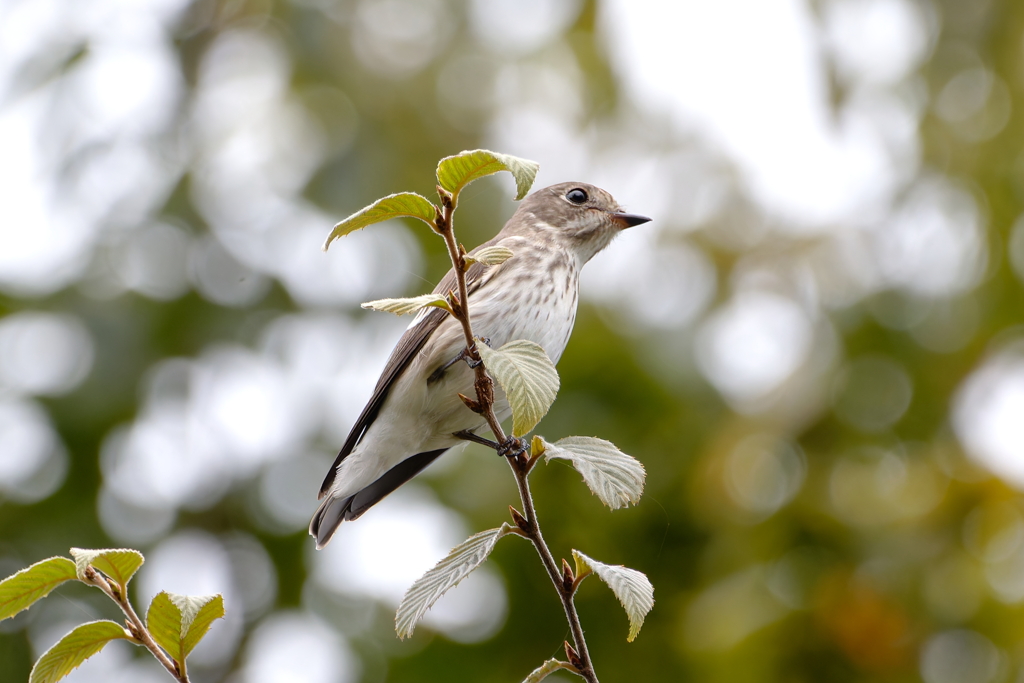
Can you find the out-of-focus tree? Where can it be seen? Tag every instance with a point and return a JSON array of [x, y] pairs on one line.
[[819, 362]]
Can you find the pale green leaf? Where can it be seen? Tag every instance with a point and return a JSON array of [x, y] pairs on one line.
[[616, 478], [490, 256], [74, 648], [19, 591], [546, 669], [447, 573], [529, 379], [410, 305], [178, 622], [118, 564], [631, 587], [455, 172], [198, 615], [403, 204]]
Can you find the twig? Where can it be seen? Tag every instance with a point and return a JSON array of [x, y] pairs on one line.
[[484, 385], [586, 668], [135, 625], [517, 460]]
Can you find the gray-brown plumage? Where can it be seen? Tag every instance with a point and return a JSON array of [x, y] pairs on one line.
[[415, 409]]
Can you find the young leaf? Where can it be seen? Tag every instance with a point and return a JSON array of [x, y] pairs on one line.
[[528, 377], [455, 172], [77, 646], [616, 478], [546, 669], [178, 622], [490, 256], [410, 305], [19, 591], [120, 564], [447, 573], [631, 587], [408, 204]]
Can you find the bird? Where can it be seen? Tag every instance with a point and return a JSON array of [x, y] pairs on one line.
[[415, 411]]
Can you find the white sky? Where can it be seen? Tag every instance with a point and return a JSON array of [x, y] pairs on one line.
[[749, 75]]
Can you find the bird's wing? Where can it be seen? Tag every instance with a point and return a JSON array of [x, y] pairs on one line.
[[408, 346]]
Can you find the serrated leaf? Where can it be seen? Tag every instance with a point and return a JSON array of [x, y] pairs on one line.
[[19, 591], [614, 477], [179, 622], [77, 646], [446, 574], [403, 204], [546, 669], [490, 256], [459, 170], [409, 305], [119, 564], [631, 587], [529, 379]]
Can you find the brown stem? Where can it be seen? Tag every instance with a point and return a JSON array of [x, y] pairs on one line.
[[520, 466], [484, 385], [521, 473], [136, 626]]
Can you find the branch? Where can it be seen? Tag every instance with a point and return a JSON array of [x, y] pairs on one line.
[[484, 385], [135, 625], [514, 449]]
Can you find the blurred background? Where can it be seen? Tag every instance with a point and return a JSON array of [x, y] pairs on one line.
[[816, 347]]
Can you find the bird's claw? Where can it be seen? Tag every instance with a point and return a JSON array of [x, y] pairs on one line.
[[470, 361], [512, 447]]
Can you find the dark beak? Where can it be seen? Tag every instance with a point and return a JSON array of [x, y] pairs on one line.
[[628, 220]]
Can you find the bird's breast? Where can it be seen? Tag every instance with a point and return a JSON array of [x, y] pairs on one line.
[[534, 297]]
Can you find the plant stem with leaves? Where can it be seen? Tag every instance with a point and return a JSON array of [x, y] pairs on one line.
[[135, 625], [174, 624], [513, 449]]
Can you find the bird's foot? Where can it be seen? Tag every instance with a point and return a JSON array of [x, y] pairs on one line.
[[512, 447], [471, 362], [467, 435], [462, 355]]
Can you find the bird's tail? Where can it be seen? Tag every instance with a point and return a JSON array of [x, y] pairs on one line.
[[335, 510], [328, 517]]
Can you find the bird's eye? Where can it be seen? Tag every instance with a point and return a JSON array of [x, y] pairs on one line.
[[576, 196]]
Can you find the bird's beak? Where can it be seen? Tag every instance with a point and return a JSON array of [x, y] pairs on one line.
[[628, 220]]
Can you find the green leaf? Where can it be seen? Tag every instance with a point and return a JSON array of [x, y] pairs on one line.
[[410, 305], [631, 587], [447, 573], [74, 648], [614, 477], [455, 172], [490, 256], [179, 622], [19, 591], [529, 379], [118, 564], [546, 669], [403, 204]]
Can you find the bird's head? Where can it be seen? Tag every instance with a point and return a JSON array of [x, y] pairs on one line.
[[578, 217]]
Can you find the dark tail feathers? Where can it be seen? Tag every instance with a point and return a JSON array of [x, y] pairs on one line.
[[333, 511]]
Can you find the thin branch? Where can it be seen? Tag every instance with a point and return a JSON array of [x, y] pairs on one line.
[[535, 535], [135, 625], [484, 385], [519, 462]]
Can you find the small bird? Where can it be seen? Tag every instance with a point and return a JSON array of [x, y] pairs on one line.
[[415, 409]]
